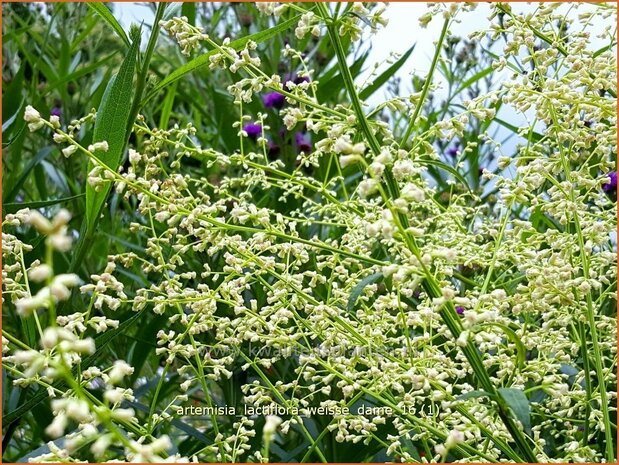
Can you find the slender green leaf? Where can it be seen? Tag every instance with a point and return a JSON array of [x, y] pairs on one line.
[[79, 73], [203, 60], [598, 52], [385, 76], [110, 126], [7, 124], [444, 166], [29, 329], [358, 289], [184, 427], [44, 449], [509, 64], [102, 10], [141, 350], [13, 207], [517, 400], [189, 11], [41, 155], [12, 104], [535, 136], [329, 88], [166, 111], [473, 79], [520, 348]]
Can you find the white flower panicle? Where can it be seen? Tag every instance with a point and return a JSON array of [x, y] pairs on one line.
[[383, 275]]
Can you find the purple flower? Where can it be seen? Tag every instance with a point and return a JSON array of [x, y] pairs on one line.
[[56, 111], [460, 310], [612, 185], [453, 150], [273, 100], [303, 141], [253, 130]]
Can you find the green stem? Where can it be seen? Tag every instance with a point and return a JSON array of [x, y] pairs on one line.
[[400, 219], [590, 312], [426, 85], [285, 403], [447, 313], [143, 74]]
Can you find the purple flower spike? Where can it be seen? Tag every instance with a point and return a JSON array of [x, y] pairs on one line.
[[56, 111], [273, 100], [253, 130], [460, 310], [612, 185], [303, 142]]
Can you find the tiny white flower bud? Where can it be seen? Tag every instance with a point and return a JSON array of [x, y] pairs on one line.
[[84, 346], [59, 138], [57, 426], [342, 146], [31, 115], [37, 220], [55, 121], [463, 338], [271, 424], [134, 157], [70, 150], [454, 438], [100, 445], [99, 146], [119, 371], [61, 242], [123, 414], [61, 218], [40, 273], [346, 160], [376, 169], [367, 187]]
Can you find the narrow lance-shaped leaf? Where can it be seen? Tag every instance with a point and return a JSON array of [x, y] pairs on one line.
[[204, 59], [112, 119], [358, 289], [103, 11], [111, 127], [385, 76], [15, 206], [444, 166], [517, 400], [520, 348], [40, 156]]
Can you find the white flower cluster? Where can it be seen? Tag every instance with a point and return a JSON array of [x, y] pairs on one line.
[[58, 287], [187, 36]]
